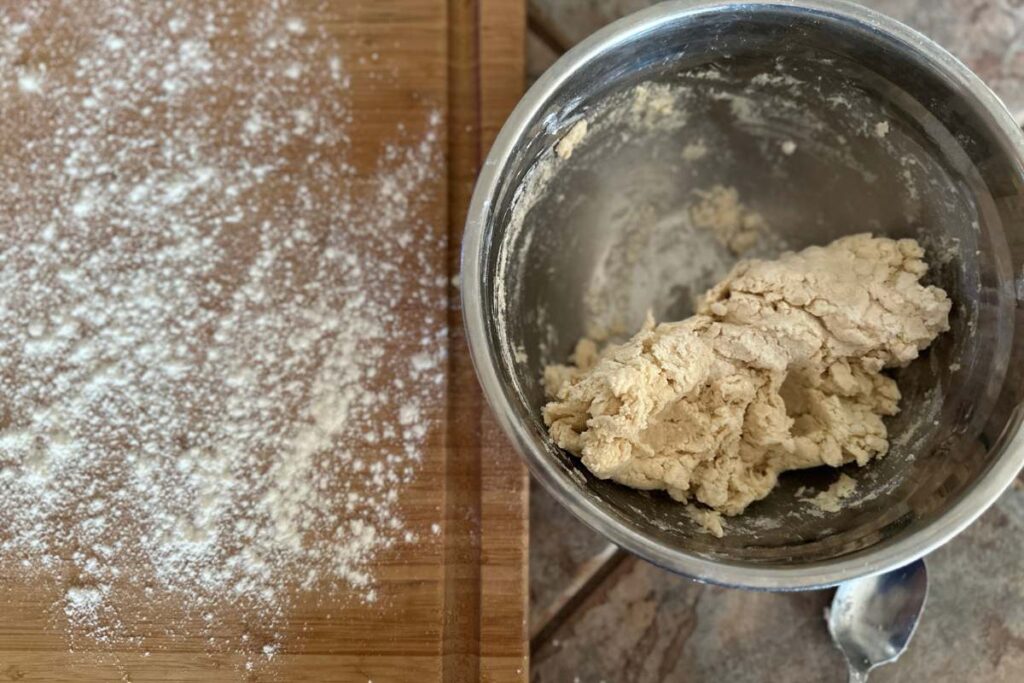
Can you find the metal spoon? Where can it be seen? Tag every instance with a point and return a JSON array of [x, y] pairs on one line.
[[872, 619]]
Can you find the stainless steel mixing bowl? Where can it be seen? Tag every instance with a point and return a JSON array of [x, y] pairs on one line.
[[827, 119]]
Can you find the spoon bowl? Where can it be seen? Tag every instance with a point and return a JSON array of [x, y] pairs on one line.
[[872, 619]]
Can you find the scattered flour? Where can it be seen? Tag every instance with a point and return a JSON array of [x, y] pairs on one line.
[[196, 410], [830, 500]]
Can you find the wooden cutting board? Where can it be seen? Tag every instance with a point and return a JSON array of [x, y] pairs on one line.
[[452, 608]]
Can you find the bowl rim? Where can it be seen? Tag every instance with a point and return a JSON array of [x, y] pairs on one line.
[[891, 555]]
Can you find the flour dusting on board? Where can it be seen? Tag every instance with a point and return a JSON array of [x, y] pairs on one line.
[[195, 410]]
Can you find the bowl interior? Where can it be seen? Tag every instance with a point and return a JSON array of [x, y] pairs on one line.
[[821, 126]]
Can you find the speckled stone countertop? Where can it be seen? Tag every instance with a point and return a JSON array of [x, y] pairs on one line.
[[599, 614]]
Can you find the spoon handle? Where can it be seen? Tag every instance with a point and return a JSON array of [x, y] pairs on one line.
[[857, 676]]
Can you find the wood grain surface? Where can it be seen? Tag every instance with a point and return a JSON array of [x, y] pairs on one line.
[[452, 607], [487, 485]]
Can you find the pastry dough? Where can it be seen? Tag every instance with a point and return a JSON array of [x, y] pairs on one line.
[[780, 369]]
